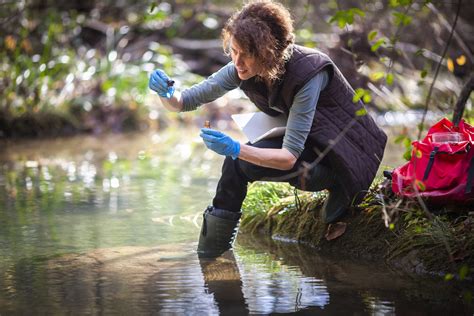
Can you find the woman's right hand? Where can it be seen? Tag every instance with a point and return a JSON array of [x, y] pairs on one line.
[[161, 84]]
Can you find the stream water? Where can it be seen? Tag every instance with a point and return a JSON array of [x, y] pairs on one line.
[[110, 226]]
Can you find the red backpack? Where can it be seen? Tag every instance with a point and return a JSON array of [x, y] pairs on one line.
[[441, 168]]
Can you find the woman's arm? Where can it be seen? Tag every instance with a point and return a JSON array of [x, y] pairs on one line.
[[215, 86], [276, 158], [190, 99], [173, 104]]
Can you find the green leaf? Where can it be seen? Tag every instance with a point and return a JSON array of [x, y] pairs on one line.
[[377, 44], [357, 11], [407, 155], [106, 85], [394, 3], [401, 18], [391, 226], [420, 185], [359, 93], [340, 18], [344, 17], [399, 139], [463, 272], [361, 112], [407, 142], [448, 277], [342, 23], [377, 75], [372, 35], [367, 98], [419, 52], [423, 73], [389, 79]]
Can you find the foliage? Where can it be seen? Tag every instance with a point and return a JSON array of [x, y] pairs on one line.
[[84, 61], [387, 40], [262, 197], [47, 67]]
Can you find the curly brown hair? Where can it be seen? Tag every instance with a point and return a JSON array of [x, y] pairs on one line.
[[264, 29]]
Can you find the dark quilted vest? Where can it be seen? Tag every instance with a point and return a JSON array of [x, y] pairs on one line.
[[358, 143]]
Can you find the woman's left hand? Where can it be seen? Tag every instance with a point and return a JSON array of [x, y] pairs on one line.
[[220, 143]]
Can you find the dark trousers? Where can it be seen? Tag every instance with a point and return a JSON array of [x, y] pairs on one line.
[[236, 174]]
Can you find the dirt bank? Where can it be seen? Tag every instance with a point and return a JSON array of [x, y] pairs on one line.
[[411, 241]]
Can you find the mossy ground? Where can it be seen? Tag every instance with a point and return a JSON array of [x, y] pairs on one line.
[[401, 233]]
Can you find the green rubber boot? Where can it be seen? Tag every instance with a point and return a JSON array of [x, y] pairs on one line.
[[218, 231]]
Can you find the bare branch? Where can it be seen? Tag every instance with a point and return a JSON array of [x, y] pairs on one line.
[[420, 129], [463, 96]]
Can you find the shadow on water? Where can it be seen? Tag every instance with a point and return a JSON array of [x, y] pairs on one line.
[[109, 226], [264, 277], [329, 285]]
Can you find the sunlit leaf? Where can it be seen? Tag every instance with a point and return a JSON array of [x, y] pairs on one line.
[[359, 93], [448, 277], [450, 64], [401, 18], [389, 79], [461, 60], [399, 139], [407, 142], [394, 3], [344, 17], [407, 155], [377, 44], [391, 226], [342, 23], [361, 112], [418, 153], [420, 185], [377, 75], [358, 12], [372, 35], [367, 98], [10, 42]]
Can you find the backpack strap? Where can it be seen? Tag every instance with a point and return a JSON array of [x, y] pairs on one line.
[[470, 176], [430, 163]]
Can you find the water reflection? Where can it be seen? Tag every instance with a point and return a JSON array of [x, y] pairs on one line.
[[110, 227], [223, 281], [279, 277]]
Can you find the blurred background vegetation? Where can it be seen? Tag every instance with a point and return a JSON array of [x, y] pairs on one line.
[[69, 67]]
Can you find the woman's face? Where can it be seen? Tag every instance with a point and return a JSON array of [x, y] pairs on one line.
[[246, 64]]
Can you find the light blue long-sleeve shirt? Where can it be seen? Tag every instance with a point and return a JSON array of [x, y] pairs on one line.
[[301, 113]]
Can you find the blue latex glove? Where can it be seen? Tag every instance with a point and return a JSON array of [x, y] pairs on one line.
[[220, 143], [161, 84]]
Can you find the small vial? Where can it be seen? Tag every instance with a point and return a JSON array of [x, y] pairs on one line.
[[207, 124]]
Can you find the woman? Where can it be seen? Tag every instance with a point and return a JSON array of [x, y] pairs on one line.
[[325, 128]]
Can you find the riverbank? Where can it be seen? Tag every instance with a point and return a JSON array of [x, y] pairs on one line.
[[410, 241]]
